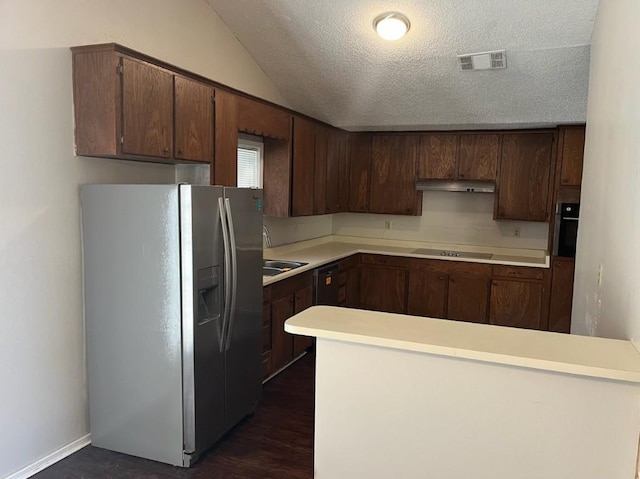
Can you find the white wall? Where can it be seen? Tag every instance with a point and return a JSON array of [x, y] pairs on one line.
[[291, 230], [454, 218], [43, 404], [609, 233]]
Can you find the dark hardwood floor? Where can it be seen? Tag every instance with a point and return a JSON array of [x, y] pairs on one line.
[[276, 442]]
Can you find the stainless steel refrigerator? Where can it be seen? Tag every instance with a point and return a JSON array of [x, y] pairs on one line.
[[173, 308]]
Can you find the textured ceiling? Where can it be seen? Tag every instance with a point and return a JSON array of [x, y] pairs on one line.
[[328, 62]]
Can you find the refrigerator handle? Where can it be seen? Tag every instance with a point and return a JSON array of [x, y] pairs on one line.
[[234, 268], [227, 272]]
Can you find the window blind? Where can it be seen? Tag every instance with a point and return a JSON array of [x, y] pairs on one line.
[[248, 167]]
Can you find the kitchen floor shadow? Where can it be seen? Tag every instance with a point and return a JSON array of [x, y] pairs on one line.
[[275, 442]]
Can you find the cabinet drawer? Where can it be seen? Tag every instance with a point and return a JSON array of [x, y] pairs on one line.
[[468, 269], [518, 272], [382, 260]]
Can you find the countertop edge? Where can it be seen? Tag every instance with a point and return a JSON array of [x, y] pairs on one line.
[[469, 354]]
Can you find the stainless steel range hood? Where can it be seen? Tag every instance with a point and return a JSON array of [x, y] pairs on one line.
[[457, 186]]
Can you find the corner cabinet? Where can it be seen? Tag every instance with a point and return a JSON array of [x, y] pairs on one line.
[[524, 179], [128, 108], [393, 175]]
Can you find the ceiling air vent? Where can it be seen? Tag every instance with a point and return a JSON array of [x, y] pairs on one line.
[[496, 60]]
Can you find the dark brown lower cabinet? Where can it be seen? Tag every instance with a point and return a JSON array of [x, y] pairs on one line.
[[517, 303], [303, 299], [468, 298], [427, 293], [281, 301], [561, 295], [349, 282], [383, 288]]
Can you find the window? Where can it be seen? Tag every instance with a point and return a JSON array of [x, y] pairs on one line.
[[250, 162]]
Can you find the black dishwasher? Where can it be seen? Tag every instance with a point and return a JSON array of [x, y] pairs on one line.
[[326, 285]]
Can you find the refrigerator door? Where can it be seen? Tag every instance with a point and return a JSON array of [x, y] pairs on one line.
[[203, 303], [243, 339]]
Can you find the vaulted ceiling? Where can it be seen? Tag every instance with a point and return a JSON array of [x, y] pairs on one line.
[[328, 62]]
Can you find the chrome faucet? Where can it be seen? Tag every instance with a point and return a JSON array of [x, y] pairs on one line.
[[265, 236]]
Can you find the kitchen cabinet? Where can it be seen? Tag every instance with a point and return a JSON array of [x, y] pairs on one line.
[[303, 299], [562, 273], [349, 282], [303, 167], [337, 186], [281, 301], [266, 334], [393, 175], [448, 156], [449, 290], [468, 298], [360, 171], [276, 177], [519, 297], [571, 154], [383, 283], [260, 119], [320, 170], [193, 120], [225, 166], [524, 177], [130, 108]]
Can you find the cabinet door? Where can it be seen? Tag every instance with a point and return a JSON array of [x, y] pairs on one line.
[[264, 120], [225, 170], [352, 288], [281, 341], [572, 155], [438, 157], [276, 177], [193, 120], [561, 295], [266, 341], [333, 172], [393, 175], [343, 172], [427, 293], [303, 164], [383, 288], [478, 157], [320, 175], [147, 110], [360, 164], [468, 299], [523, 182], [303, 300], [516, 303]]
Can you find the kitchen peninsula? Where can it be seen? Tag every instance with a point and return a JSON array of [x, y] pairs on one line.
[[417, 397]]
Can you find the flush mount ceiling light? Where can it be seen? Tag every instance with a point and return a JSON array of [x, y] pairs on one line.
[[392, 25]]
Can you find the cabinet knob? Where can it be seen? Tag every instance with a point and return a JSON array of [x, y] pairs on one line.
[[565, 181], [180, 151], [450, 175], [165, 150], [461, 175], [441, 278]]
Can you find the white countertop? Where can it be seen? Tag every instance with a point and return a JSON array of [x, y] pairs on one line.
[[572, 354], [327, 249]]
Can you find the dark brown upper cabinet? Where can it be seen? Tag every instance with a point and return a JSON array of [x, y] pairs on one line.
[[129, 108], [523, 181], [303, 167], [264, 120], [571, 155], [360, 171], [448, 156], [393, 175], [226, 139], [276, 177], [337, 186], [438, 156], [193, 120], [320, 170], [478, 157]]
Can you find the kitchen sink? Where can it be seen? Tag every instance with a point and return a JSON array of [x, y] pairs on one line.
[[273, 267]]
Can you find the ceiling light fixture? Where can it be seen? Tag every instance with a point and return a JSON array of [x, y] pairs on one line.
[[391, 25]]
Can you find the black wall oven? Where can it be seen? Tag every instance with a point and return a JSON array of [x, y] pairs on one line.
[[566, 229]]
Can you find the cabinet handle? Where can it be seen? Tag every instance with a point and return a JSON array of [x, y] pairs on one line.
[[565, 180], [441, 278], [461, 175]]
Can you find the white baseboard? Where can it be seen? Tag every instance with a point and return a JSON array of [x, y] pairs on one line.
[[52, 458]]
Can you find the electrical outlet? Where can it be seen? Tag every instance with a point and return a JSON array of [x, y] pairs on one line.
[[516, 232], [387, 224]]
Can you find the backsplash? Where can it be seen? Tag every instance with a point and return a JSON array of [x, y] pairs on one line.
[[453, 218], [291, 230]]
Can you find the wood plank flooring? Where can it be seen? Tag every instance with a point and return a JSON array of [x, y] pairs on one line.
[[276, 442]]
